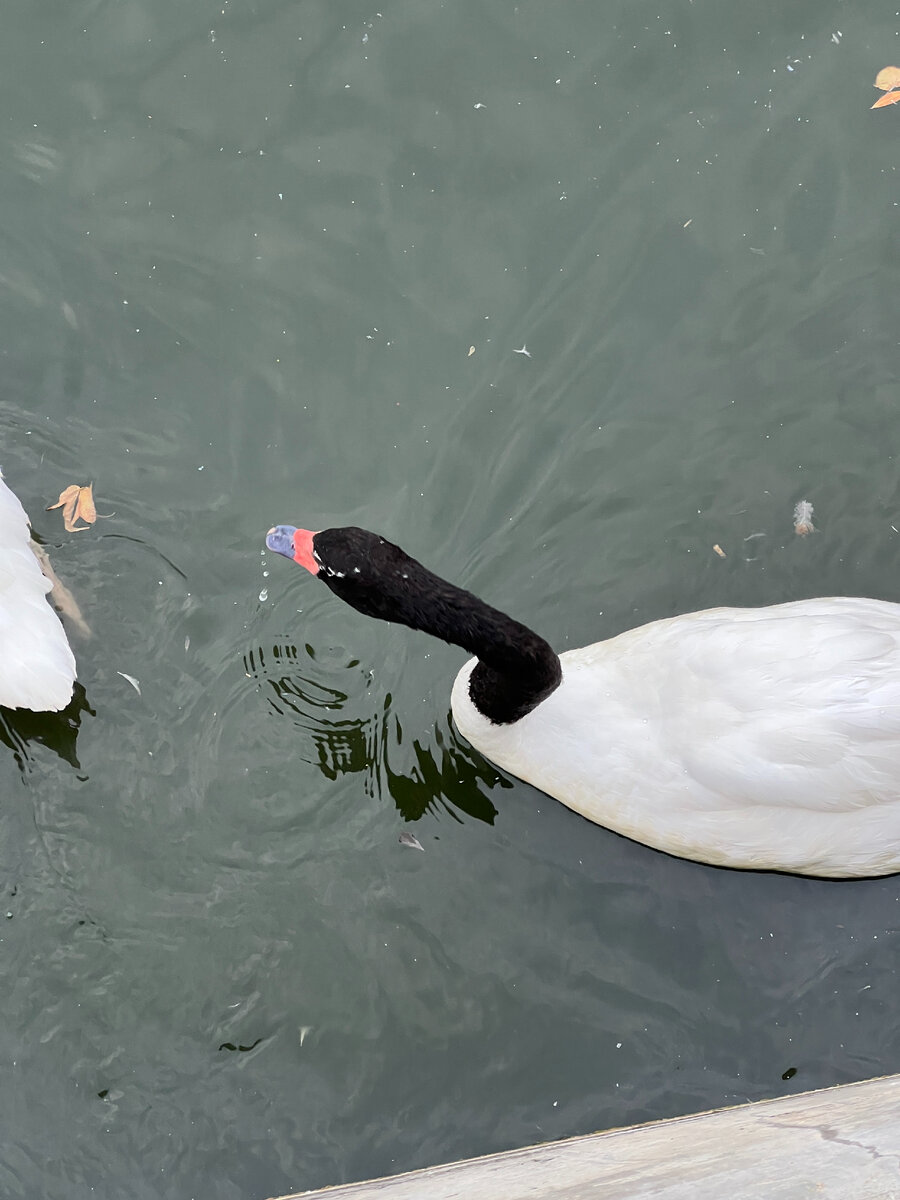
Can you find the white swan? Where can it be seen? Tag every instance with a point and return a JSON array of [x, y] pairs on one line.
[[758, 738], [37, 667]]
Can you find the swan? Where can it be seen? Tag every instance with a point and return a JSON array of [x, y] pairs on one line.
[[765, 738], [37, 667]]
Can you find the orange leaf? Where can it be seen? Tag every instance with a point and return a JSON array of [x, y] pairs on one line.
[[67, 501], [887, 98], [86, 508], [77, 504], [888, 78], [65, 496]]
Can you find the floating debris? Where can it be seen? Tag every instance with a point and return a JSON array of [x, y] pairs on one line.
[[718, 549], [888, 78], [803, 514], [131, 679], [237, 1047], [77, 504], [410, 839]]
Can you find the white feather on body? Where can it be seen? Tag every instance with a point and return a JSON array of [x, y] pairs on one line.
[[37, 667], [758, 738]]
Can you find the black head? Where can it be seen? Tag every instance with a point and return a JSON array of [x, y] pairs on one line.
[[374, 576]]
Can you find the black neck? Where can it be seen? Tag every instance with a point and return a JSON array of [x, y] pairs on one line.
[[516, 669]]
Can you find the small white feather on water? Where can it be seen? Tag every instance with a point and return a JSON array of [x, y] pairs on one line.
[[131, 679], [803, 514]]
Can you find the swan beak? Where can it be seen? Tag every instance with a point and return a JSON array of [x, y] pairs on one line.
[[280, 538]]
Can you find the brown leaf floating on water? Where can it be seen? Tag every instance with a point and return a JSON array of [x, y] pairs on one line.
[[77, 504], [85, 508], [67, 500], [887, 98], [718, 549], [888, 78]]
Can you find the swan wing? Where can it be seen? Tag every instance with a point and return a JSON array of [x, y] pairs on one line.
[[797, 705], [765, 738], [37, 667]]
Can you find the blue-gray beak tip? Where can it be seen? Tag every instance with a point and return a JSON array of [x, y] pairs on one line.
[[280, 538]]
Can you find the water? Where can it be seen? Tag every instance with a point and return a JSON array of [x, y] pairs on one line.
[[246, 252]]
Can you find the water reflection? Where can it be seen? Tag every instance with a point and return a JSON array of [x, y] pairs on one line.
[[57, 731], [319, 697]]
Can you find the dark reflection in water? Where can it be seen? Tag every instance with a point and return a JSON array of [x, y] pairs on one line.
[[445, 773], [57, 731]]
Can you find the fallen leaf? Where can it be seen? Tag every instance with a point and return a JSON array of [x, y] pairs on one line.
[[471, 352], [410, 839], [888, 78], [67, 501], [887, 98], [718, 549], [85, 508], [77, 504]]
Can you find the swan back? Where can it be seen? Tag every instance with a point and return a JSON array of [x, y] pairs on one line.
[[766, 738], [37, 667]]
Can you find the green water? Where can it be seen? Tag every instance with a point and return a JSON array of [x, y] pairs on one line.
[[245, 253]]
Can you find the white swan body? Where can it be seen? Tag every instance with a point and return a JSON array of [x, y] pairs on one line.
[[763, 738], [37, 667]]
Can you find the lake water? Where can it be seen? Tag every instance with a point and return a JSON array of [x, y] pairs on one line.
[[278, 262]]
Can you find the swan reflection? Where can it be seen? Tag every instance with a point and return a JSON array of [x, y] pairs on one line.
[[58, 731], [330, 702]]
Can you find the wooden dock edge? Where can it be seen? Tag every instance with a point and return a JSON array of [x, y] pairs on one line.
[[838, 1143]]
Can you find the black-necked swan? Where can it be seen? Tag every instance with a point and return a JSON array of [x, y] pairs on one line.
[[764, 738], [37, 667]]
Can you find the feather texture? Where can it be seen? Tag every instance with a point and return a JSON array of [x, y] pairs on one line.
[[764, 738]]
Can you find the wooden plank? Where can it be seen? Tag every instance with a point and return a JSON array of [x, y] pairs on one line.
[[840, 1143]]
